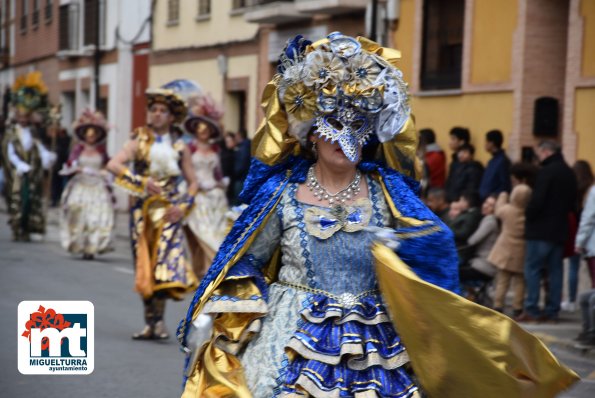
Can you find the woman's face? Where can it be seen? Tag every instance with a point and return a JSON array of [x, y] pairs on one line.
[[488, 206], [332, 155], [203, 132], [90, 136], [230, 141]]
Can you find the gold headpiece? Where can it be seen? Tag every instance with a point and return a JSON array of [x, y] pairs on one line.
[[173, 101]]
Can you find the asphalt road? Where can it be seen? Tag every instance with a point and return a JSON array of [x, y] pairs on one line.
[[123, 368]]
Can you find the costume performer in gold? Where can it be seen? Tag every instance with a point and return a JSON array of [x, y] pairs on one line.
[[337, 281], [87, 205], [25, 158], [160, 161], [208, 221]]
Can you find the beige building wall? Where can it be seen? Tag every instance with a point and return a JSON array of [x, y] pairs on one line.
[[207, 74], [478, 112], [485, 100], [494, 25], [587, 10], [223, 25], [584, 119]]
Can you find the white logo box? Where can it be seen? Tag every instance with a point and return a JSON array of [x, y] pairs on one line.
[[78, 359]]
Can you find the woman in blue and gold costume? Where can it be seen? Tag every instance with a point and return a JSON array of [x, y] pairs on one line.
[[305, 297]]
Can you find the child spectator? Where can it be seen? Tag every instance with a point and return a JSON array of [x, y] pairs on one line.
[[508, 254]]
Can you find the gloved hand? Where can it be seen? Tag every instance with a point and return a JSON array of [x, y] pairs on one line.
[[23, 168], [201, 330], [386, 236]]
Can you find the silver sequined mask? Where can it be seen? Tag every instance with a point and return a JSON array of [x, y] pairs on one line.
[[347, 126]]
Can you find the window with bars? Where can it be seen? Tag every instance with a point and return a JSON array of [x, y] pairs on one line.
[[204, 7], [173, 11], [94, 22], [49, 10], [239, 4], [35, 13], [69, 27], [24, 15], [442, 46]]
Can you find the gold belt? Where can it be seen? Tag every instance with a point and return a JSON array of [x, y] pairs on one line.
[[345, 299]]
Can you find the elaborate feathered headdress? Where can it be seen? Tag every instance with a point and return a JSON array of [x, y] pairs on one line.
[[348, 89], [29, 92], [203, 108]]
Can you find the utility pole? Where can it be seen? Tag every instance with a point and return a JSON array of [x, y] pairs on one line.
[[374, 22], [97, 54]]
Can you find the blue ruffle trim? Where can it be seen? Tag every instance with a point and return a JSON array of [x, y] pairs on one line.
[[349, 350], [304, 374]]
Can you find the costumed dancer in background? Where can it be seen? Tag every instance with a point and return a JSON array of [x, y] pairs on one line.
[[25, 158], [292, 305], [159, 160], [87, 204], [207, 221]]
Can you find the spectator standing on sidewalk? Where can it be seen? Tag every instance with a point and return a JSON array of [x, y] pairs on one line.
[[585, 237], [508, 253], [435, 159], [467, 174], [496, 177], [546, 231], [459, 136], [584, 177], [523, 173]]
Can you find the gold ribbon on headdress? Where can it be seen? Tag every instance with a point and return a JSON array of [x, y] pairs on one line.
[[273, 143]]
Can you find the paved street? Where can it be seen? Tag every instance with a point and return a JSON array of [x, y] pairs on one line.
[[124, 368]]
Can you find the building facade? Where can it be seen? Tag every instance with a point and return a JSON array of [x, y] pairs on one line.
[[526, 67], [110, 79], [230, 47], [59, 38]]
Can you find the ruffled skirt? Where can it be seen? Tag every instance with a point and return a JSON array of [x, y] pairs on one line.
[[87, 215], [313, 345]]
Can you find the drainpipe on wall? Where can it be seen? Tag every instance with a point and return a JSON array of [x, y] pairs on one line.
[[97, 55]]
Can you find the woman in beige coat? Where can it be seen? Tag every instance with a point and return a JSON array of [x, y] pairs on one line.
[[508, 254]]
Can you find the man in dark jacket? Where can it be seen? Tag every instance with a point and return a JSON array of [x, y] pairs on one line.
[[546, 231], [496, 177], [458, 137], [466, 176]]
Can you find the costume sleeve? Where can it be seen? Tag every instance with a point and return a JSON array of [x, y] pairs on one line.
[[245, 288], [47, 157], [486, 226], [20, 166]]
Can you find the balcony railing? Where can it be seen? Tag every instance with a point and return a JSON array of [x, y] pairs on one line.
[[272, 11]]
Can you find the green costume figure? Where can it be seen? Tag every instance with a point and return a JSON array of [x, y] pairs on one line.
[[25, 158]]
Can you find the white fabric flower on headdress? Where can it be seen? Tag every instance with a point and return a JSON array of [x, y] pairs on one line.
[[364, 70], [396, 111], [293, 74], [322, 68]]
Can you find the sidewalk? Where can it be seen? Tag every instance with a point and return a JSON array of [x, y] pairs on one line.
[[562, 334]]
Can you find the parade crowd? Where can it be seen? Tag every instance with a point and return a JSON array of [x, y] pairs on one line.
[[515, 223]]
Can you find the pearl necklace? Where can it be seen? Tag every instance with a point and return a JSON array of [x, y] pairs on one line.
[[342, 196]]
